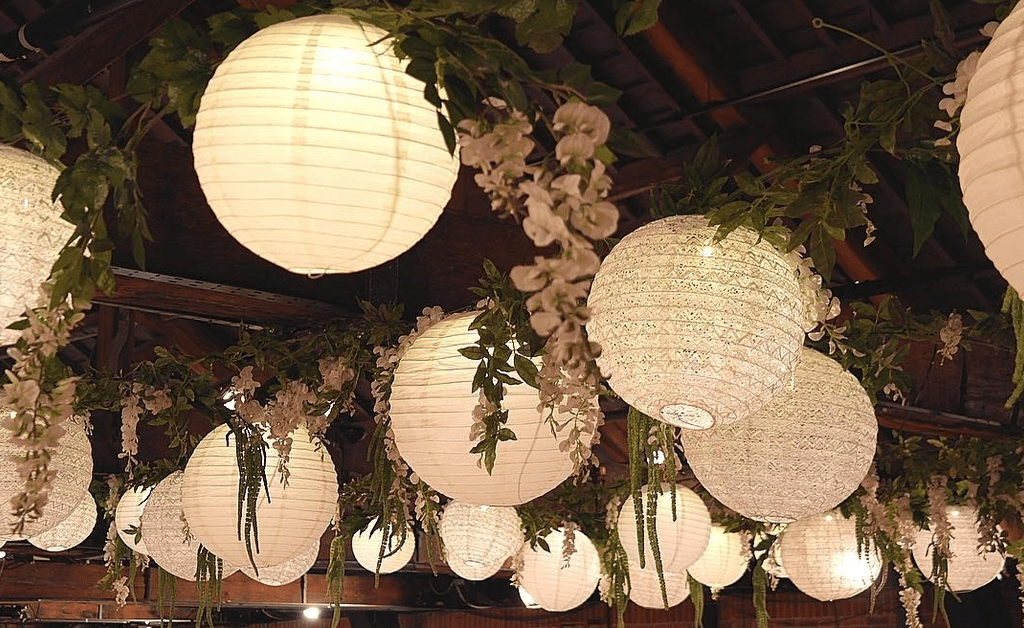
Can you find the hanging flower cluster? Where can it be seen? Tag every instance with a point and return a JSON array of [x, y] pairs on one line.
[[136, 399]]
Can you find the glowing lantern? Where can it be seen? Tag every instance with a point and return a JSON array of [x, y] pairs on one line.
[[967, 567], [317, 151], [822, 558], [645, 588], [128, 515], [163, 529], [479, 539], [72, 531], [682, 534], [289, 571], [724, 561], [553, 583], [366, 547]]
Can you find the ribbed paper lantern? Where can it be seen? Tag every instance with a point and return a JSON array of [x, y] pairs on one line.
[[163, 529], [557, 586], [724, 561], [32, 233], [128, 515], [70, 532], [479, 539], [72, 464], [292, 517], [802, 454], [289, 571], [317, 152], [694, 332], [645, 588], [991, 147], [432, 412], [681, 539], [968, 567], [366, 546], [821, 557]]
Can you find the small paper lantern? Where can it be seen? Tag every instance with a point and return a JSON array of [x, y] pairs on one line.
[[554, 584], [694, 332], [32, 232], [802, 454], [645, 588], [366, 546], [968, 567], [432, 406], [724, 561], [289, 571], [991, 147], [128, 515], [70, 532], [293, 516], [682, 535], [164, 526], [317, 151], [479, 539], [822, 559]]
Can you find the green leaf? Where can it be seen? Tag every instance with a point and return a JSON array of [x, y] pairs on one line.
[[822, 253], [923, 204], [628, 143], [527, 370], [636, 16]]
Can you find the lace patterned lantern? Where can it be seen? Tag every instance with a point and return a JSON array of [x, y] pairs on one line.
[[317, 151], [694, 332], [968, 566], [432, 405], [288, 571], [821, 557], [72, 531], [682, 534], [553, 583], [479, 539], [290, 518], [163, 529], [802, 454], [32, 232], [127, 515], [645, 588], [991, 147], [366, 547], [724, 561]]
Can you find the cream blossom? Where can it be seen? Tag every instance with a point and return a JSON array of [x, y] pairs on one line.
[[578, 117]]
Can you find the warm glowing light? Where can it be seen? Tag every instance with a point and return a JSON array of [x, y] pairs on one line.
[[311, 612]]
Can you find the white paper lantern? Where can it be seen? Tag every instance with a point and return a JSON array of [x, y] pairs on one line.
[[554, 584], [366, 547], [32, 232], [479, 539], [694, 332], [293, 516], [645, 588], [317, 152], [802, 454], [991, 147], [72, 531], [682, 535], [163, 529], [724, 561], [289, 571], [968, 567], [128, 515], [432, 413], [822, 558]]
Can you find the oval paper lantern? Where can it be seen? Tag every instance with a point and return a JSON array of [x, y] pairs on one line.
[[32, 232], [645, 588], [682, 536], [128, 515], [366, 547], [724, 561], [991, 147], [290, 518], [479, 539], [555, 585], [694, 332], [317, 152], [163, 529], [72, 531], [802, 454], [968, 567], [290, 571], [821, 557], [432, 412]]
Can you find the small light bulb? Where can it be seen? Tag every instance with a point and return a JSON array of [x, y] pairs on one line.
[[311, 612], [707, 251], [658, 457]]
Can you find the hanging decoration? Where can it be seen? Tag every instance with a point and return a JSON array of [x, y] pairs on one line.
[[375, 555], [288, 571], [968, 566], [166, 532], [128, 516], [564, 577], [682, 531], [71, 531], [479, 539], [724, 561], [645, 587]]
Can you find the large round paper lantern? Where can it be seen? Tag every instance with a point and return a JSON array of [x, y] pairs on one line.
[[317, 151], [645, 588], [967, 567], [289, 519], [164, 529], [366, 547], [695, 332], [128, 515], [432, 406], [289, 571], [724, 561], [554, 584], [682, 533], [991, 147], [479, 539], [802, 454], [72, 531], [822, 558], [32, 232]]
